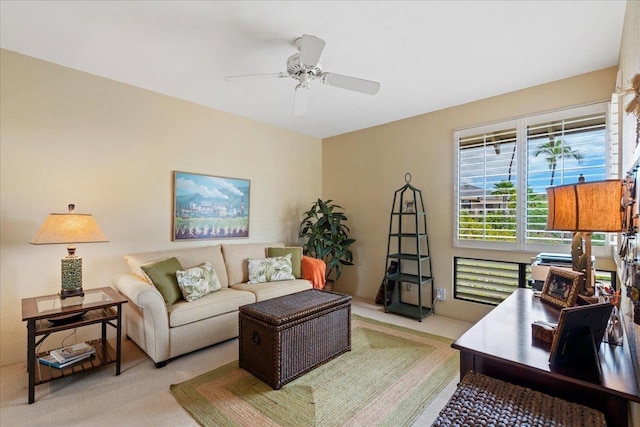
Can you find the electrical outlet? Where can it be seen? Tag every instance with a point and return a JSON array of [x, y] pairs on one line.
[[442, 294]]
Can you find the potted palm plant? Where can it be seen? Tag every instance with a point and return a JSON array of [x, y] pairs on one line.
[[326, 237]]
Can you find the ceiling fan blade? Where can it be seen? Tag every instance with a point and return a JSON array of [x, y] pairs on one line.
[[301, 100], [232, 79], [310, 48], [351, 83]]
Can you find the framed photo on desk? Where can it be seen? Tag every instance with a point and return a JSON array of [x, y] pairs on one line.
[[561, 287], [578, 336]]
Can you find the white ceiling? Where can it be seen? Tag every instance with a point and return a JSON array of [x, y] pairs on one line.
[[427, 55]]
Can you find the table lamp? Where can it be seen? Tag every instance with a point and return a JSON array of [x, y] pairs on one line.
[[584, 208], [70, 228]]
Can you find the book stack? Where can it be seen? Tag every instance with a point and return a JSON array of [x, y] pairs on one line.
[[65, 356]]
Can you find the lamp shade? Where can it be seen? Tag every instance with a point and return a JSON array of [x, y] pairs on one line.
[[585, 206], [69, 228]]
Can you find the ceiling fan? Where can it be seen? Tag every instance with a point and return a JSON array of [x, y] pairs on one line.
[[305, 66]]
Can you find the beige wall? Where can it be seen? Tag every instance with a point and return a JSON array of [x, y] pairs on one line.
[[629, 66], [361, 170], [110, 148]]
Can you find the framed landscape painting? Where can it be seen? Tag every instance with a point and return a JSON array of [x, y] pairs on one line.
[[209, 207]]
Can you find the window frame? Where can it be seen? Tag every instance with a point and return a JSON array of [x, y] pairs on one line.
[[521, 124]]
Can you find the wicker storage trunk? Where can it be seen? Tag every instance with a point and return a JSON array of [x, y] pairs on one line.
[[286, 337]]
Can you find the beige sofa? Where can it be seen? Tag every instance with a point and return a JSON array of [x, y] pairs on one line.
[[167, 332]]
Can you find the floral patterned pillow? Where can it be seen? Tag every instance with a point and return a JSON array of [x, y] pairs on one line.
[[197, 282], [272, 269]]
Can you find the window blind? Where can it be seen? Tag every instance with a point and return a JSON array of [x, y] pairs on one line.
[[503, 169]]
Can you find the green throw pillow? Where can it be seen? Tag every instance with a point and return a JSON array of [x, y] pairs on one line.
[[197, 282], [296, 257], [163, 275], [273, 269]]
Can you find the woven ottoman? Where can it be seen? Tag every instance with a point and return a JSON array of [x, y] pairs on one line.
[[480, 400], [285, 337]]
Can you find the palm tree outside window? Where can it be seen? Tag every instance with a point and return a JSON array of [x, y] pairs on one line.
[[555, 151]]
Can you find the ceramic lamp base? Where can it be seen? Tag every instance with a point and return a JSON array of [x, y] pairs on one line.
[[71, 277]]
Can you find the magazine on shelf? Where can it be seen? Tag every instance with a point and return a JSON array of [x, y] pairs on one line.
[[51, 361], [66, 354]]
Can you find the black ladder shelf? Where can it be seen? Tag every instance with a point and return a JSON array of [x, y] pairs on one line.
[[405, 285]]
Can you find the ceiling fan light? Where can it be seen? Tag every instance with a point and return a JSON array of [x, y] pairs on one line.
[[304, 80]]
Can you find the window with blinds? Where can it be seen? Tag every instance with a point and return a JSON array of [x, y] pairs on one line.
[[488, 175], [503, 170], [558, 152]]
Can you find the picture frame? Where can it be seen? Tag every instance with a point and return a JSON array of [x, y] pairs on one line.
[[628, 203], [209, 207], [578, 336], [561, 287], [409, 206]]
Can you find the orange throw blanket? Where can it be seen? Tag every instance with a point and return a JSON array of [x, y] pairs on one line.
[[313, 270]]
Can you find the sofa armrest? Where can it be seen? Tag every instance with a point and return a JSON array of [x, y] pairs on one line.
[[139, 291], [148, 326]]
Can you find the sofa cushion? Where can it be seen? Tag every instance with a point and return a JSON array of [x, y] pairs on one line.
[[296, 257], [214, 304], [163, 276], [188, 257], [235, 258], [264, 291], [272, 269], [196, 282]]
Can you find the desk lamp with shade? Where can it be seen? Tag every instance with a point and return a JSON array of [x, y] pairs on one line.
[[585, 208], [70, 228]]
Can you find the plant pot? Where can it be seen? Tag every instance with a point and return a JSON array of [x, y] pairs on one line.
[[328, 286]]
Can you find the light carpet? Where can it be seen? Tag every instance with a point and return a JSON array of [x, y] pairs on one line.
[[389, 377]]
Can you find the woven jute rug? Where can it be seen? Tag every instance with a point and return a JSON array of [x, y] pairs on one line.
[[388, 378]]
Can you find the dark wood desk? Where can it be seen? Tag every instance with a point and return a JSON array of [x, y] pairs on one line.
[[500, 345]]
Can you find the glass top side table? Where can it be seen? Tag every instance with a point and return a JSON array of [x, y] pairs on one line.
[[53, 303], [48, 314]]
